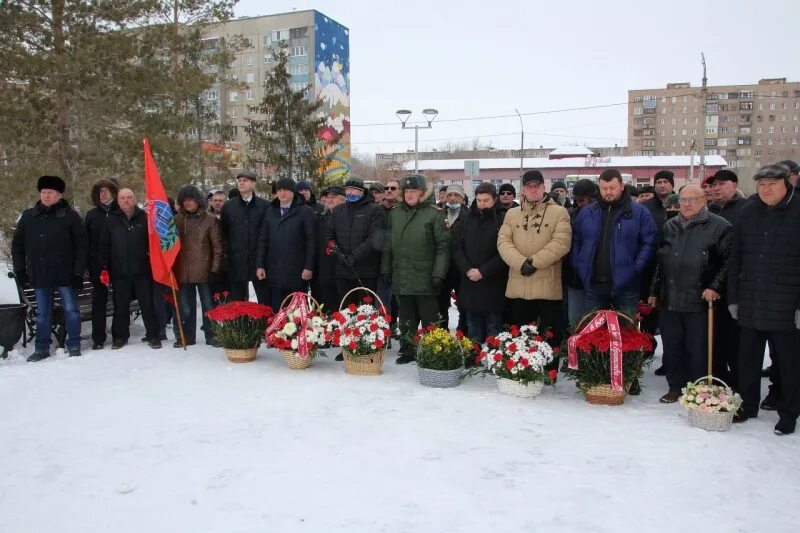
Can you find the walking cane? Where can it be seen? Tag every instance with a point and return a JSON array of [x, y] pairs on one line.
[[710, 339]]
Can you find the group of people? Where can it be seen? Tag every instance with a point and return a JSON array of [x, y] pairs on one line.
[[544, 257]]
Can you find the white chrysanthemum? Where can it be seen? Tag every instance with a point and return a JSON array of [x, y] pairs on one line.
[[294, 344], [289, 329]]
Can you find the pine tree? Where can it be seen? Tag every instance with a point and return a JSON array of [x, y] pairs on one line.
[[284, 136]]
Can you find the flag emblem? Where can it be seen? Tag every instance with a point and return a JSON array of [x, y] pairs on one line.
[[165, 224]]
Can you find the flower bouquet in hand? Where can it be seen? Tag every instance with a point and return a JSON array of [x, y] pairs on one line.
[[238, 327], [362, 331], [518, 358]]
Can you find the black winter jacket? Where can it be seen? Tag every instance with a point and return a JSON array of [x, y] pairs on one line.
[[764, 268], [124, 248], [287, 245], [473, 241], [731, 210], [358, 228], [325, 271], [659, 213], [691, 261], [49, 245], [94, 222], [241, 224]]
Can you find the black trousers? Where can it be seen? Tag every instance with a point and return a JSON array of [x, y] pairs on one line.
[[124, 290], [240, 291], [685, 340], [99, 304], [343, 286], [784, 355], [726, 345], [413, 310], [546, 314]]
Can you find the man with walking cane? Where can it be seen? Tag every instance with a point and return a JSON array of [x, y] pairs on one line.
[[691, 268]]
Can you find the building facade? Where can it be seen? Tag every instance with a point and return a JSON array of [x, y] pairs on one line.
[[319, 58], [390, 158], [749, 125]]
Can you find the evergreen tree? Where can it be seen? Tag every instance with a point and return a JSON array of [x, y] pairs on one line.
[[284, 135]]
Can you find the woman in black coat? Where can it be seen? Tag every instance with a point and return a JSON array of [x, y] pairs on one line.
[[483, 272]]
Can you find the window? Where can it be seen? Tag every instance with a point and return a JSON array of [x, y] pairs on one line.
[[771, 130], [212, 96], [247, 42], [250, 77], [209, 44], [746, 94], [785, 106], [674, 133], [683, 132], [712, 108], [298, 51], [694, 132], [744, 131], [746, 106], [637, 98], [638, 110], [233, 96], [784, 129], [674, 99], [761, 107], [663, 110], [297, 33], [684, 110], [710, 142], [661, 122], [267, 40], [300, 69], [249, 60], [674, 121], [758, 142], [267, 59], [649, 142], [743, 152], [232, 112], [251, 95], [770, 142], [772, 106], [758, 130]]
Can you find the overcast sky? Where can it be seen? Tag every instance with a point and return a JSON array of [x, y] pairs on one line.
[[476, 59]]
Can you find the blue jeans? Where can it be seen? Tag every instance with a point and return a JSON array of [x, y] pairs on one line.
[[482, 325], [575, 305], [188, 297], [601, 296], [44, 317]]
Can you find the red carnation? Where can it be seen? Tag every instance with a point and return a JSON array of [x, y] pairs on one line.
[[523, 362], [367, 299], [352, 345], [373, 327], [549, 334], [510, 364], [378, 344], [459, 334], [553, 374], [352, 308], [512, 347], [497, 357]]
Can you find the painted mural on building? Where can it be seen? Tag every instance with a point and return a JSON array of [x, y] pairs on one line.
[[332, 83]]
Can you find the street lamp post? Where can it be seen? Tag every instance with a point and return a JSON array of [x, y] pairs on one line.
[[430, 116]]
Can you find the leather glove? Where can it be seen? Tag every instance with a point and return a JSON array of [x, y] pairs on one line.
[[733, 309], [797, 319], [386, 279], [214, 277], [105, 279], [437, 283], [527, 268], [76, 281], [22, 277]]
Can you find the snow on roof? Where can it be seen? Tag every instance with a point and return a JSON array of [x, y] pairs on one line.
[[571, 150], [507, 163]]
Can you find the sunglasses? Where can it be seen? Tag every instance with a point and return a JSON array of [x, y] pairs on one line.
[[391, 188], [506, 193]]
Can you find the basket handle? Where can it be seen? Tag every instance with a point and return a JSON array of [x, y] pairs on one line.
[[711, 379], [365, 289], [591, 315], [311, 300]]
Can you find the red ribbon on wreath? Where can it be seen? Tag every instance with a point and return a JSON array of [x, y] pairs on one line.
[[612, 321], [298, 302]]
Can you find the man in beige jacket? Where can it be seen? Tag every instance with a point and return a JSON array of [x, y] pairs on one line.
[[533, 241]]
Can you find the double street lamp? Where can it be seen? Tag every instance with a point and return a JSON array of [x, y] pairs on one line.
[[430, 116]]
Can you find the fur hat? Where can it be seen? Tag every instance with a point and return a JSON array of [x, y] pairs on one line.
[[558, 184], [415, 181], [190, 192], [584, 188], [507, 187], [53, 183], [664, 175], [286, 184]]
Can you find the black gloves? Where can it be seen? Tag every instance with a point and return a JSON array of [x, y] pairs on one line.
[[436, 283], [386, 279], [527, 268], [214, 277], [22, 277], [76, 281]]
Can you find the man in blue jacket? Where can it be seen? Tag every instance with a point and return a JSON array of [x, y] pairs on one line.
[[613, 240]]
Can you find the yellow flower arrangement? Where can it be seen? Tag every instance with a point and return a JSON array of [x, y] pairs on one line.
[[438, 349]]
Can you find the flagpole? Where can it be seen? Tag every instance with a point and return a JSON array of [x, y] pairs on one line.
[[177, 311]]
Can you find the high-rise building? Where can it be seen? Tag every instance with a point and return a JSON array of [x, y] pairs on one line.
[[319, 57], [749, 125]]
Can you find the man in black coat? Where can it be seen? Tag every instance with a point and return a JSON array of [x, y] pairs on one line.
[[324, 283], [241, 220], [690, 273], [584, 192], [49, 251], [483, 272], [764, 293], [358, 229], [309, 198], [124, 258], [287, 244], [728, 204], [104, 197]]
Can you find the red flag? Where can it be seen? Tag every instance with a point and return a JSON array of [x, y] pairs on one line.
[[163, 234]]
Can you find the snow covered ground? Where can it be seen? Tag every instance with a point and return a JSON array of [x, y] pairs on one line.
[[166, 440]]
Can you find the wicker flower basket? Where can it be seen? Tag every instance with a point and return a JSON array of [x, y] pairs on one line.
[[440, 378], [364, 365], [515, 388], [241, 356], [711, 421], [604, 395], [295, 362]]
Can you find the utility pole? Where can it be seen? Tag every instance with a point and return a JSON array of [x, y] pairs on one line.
[[704, 99], [692, 149], [521, 143]]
